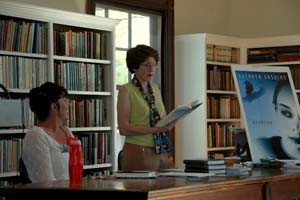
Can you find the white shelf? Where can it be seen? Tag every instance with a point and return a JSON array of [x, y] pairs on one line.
[[18, 91], [71, 92], [90, 129], [12, 131], [89, 93], [276, 63], [86, 60], [223, 120], [220, 149], [8, 174], [191, 53], [219, 63], [20, 54], [76, 129], [97, 166], [220, 92]]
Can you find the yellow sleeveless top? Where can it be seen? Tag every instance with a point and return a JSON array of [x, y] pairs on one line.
[[139, 113]]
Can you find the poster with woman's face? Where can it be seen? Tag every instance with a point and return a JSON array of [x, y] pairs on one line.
[[270, 109]]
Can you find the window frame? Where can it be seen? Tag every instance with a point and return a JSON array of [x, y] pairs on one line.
[[154, 42]]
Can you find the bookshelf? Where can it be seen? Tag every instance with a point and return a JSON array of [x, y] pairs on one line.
[[196, 61], [75, 50], [276, 51], [203, 64]]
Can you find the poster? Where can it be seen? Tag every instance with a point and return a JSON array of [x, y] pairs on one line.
[[270, 111]]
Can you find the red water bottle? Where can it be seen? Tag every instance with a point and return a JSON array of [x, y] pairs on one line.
[[75, 160]]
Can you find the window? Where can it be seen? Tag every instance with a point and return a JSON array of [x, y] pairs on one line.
[[134, 28], [163, 41]]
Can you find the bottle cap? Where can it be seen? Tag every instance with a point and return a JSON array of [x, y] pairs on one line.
[[73, 141]]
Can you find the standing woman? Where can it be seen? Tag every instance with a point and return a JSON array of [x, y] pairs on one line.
[[45, 152], [140, 107]]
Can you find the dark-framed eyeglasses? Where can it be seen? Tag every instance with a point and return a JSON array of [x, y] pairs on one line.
[[150, 66]]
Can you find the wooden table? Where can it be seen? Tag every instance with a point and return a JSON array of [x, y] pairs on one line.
[[263, 184]]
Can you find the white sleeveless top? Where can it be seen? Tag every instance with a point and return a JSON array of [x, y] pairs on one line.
[[45, 159]]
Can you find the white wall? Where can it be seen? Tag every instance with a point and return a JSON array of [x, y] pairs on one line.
[[242, 18], [67, 5]]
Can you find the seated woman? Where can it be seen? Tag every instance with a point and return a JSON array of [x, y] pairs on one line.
[[45, 152]]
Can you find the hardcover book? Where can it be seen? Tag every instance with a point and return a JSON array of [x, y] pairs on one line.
[[214, 171], [178, 113], [237, 171], [186, 174], [204, 161], [135, 174], [204, 166], [270, 111]]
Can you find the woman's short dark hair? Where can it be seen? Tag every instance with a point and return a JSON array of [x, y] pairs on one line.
[[41, 98], [139, 54]]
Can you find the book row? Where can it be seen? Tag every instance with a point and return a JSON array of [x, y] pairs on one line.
[[87, 113], [10, 153], [26, 73], [22, 36], [82, 113], [22, 120], [295, 71], [221, 53], [31, 37], [28, 116], [5, 183], [220, 154], [274, 54], [219, 78], [220, 135], [223, 107], [95, 148], [83, 44], [22, 73], [79, 76]]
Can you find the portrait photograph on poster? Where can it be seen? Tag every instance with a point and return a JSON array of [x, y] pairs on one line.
[[270, 110]]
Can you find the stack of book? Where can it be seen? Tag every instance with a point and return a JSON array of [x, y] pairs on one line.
[[135, 174], [238, 171], [205, 166]]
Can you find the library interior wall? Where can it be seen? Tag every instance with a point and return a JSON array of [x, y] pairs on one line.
[[241, 18], [67, 5]]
